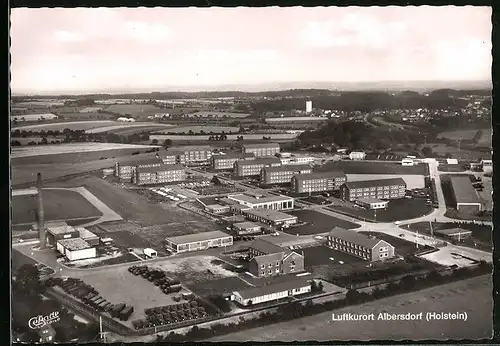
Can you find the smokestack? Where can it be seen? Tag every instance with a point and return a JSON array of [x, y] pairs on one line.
[[41, 212]]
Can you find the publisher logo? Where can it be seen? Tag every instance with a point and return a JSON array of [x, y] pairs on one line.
[[41, 321]]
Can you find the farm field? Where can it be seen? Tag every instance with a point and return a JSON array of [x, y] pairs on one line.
[[210, 114], [400, 209], [361, 167], [26, 140], [456, 153], [253, 136], [58, 204], [119, 126], [413, 181], [135, 109], [472, 296], [197, 129], [71, 148], [469, 134], [73, 125], [317, 223]]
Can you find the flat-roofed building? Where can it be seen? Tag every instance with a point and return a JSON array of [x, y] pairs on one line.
[[226, 161], [487, 165], [298, 160], [260, 200], [392, 188], [261, 149], [126, 171], [407, 162], [466, 197], [357, 155], [271, 292], [160, 174], [58, 231], [198, 241], [245, 228], [372, 203], [270, 217], [318, 182], [359, 245], [192, 154], [76, 249], [457, 234], [282, 174], [217, 208], [248, 168], [268, 259], [88, 236]]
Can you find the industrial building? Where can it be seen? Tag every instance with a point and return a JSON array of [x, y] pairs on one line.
[[226, 161], [392, 188], [249, 168], [282, 174], [359, 245], [261, 149], [271, 292], [268, 259], [88, 236], [246, 228], [187, 155], [270, 217], [76, 249], [126, 171], [465, 196], [159, 174], [457, 234], [57, 231], [198, 241], [372, 203], [260, 200], [318, 182]]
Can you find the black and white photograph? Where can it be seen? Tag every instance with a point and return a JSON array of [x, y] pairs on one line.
[[251, 174]]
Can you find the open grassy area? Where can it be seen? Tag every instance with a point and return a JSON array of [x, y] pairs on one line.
[[400, 209], [196, 129], [317, 222], [58, 205], [480, 232], [458, 153], [72, 125], [468, 134], [135, 110], [323, 255], [363, 167], [402, 247]]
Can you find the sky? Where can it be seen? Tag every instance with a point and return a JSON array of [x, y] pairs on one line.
[[101, 49]]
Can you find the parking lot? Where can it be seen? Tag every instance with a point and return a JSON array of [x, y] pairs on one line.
[[321, 255], [317, 223]]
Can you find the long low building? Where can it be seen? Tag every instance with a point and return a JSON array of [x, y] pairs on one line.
[[457, 234], [245, 228], [271, 292], [198, 241], [372, 203], [392, 188], [159, 174], [282, 174], [248, 168], [271, 217], [466, 197], [261, 200], [318, 182], [76, 249]]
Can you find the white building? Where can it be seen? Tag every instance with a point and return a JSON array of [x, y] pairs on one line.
[[271, 292], [125, 120], [357, 155], [451, 161], [407, 162], [76, 249], [259, 200], [309, 106]]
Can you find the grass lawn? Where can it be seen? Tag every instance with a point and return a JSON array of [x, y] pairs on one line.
[[397, 210], [320, 255], [363, 167], [469, 134], [317, 223], [134, 110], [58, 204], [219, 286], [402, 247], [482, 233]]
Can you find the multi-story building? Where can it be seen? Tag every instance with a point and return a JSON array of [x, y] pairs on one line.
[[258, 200], [126, 171], [159, 175], [359, 245], [187, 155], [226, 161], [169, 158], [261, 149], [317, 182], [392, 188], [268, 259], [282, 174], [248, 168]]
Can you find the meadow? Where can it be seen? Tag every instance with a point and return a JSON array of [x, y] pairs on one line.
[[469, 134], [119, 126], [71, 148], [72, 125], [211, 114], [197, 129], [253, 136], [135, 109]]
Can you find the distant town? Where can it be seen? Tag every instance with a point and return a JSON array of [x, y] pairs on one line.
[[206, 216]]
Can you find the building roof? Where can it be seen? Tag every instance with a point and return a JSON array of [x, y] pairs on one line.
[[463, 190], [259, 161], [320, 175], [258, 198], [245, 225], [234, 218], [370, 200], [453, 231], [268, 214], [160, 168], [271, 288], [233, 155], [260, 145], [74, 244], [216, 206], [294, 168], [85, 233], [192, 238], [59, 228], [266, 247], [375, 183], [354, 237], [272, 257]]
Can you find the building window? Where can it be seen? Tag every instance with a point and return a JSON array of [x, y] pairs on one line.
[[262, 266]]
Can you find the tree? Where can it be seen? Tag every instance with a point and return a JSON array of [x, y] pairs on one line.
[[167, 143], [154, 141], [28, 279], [15, 143], [44, 140], [427, 151]]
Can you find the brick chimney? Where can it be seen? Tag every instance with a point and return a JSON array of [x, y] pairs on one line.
[[41, 212]]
